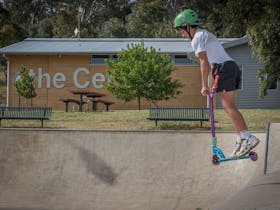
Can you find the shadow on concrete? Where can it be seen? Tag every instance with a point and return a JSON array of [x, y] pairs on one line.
[[98, 167]]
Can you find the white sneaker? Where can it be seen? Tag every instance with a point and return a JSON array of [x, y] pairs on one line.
[[248, 145], [236, 149]]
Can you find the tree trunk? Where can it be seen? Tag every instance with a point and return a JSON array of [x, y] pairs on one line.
[[139, 103]]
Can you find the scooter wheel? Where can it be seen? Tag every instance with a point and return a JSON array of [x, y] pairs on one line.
[[253, 156], [215, 159]]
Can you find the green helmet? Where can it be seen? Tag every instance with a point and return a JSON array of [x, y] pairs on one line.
[[188, 16]]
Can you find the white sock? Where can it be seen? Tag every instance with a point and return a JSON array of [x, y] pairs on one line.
[[238, 139], [245, 134]]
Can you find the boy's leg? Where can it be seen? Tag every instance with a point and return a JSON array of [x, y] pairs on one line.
[[228, 102]]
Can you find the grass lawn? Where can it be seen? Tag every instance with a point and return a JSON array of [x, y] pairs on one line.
[[256, 119]]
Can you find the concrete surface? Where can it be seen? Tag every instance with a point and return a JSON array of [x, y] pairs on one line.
[[273, 154], [262, 193], [109, 170]]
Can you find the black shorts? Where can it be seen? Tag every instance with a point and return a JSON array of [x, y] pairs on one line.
[[229, 76]]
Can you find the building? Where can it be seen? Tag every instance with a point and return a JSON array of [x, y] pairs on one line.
[[62, 65], [248, 94]]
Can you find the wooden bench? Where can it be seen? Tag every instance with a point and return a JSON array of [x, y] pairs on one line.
[[181, 114], [70, 100], [97, 100], [25, 113]]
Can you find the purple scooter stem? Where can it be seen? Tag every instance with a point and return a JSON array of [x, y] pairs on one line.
[[211, 109]]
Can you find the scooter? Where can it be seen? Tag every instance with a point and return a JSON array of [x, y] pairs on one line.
[[217, 154]]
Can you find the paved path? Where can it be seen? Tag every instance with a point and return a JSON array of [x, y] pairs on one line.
[[103, 170]]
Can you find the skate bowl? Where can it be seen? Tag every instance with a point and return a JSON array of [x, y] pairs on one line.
[[125, 170], [262, 192]]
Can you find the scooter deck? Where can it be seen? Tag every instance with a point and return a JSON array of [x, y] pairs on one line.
[[216, 159], [237, 158]]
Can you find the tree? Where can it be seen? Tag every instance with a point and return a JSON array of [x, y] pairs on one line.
[[64, 24], [25, 84], [113, 28], [148, 19], [238, 15], [9, 34], [140, 72], [265, 41], [110, 18], [45, 28], [25, 13]]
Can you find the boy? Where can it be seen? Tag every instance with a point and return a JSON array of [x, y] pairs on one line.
[[212, 56]]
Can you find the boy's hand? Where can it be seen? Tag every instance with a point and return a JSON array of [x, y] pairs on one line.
[[205, 91]]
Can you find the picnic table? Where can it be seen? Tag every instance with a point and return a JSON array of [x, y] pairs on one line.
[[70, 100], [105, 102], [93, 96], [86, 93]]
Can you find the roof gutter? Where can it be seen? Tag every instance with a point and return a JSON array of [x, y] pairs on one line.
[[242, 40]]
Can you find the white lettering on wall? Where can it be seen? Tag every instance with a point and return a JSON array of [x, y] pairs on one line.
[[59, 80], [75, 78], [41, 76], [98, 77]]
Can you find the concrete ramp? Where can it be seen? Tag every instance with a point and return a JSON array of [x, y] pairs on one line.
[[273, 148], [262, 193], [110, 170]]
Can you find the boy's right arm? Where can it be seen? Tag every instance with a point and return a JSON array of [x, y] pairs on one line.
[[204, 69]]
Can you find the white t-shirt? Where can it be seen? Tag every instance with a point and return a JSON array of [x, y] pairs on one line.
[[203, 40]]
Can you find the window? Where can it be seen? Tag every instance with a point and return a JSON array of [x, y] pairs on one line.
[[272, 86], [240, 86], [114, 57], [98, 59], [182, 60]]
